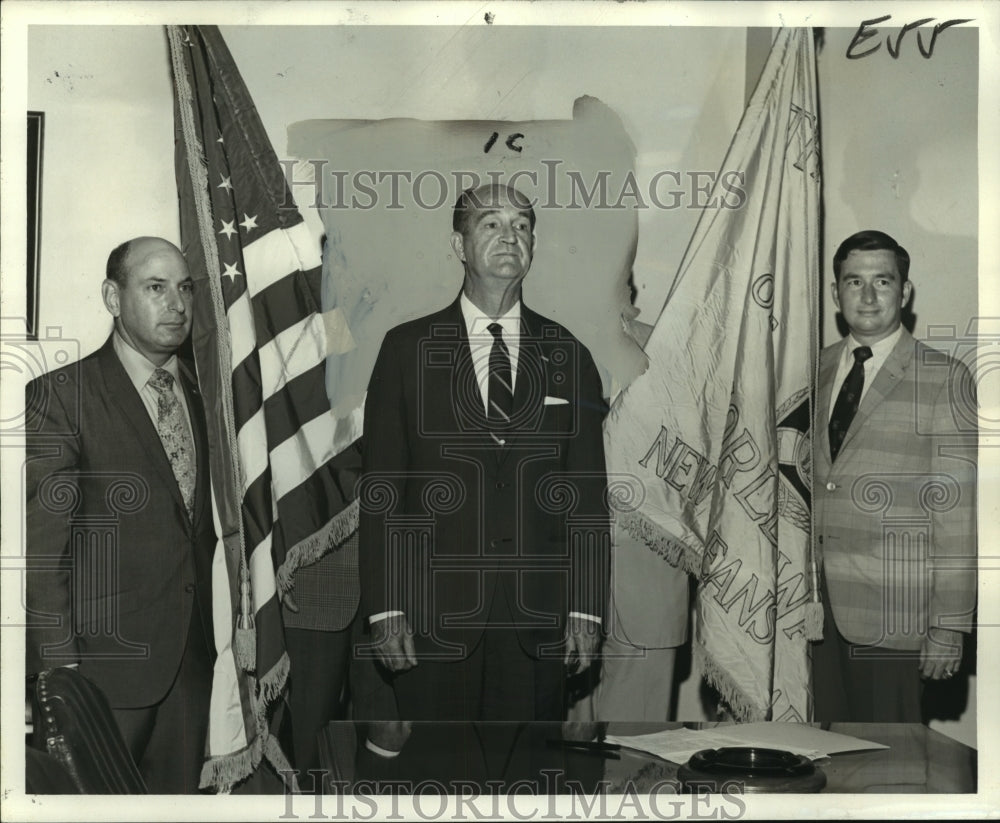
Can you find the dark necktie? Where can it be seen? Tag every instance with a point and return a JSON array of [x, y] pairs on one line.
[[848, 400], [500, 389], [175, 435]]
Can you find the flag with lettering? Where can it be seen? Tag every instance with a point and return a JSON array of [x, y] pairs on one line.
[[282, 477], [709, 449]]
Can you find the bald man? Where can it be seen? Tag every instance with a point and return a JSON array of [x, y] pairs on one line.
[[119, 524]]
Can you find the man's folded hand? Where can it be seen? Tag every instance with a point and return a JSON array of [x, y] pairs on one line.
[[392, 639], [583, 639]]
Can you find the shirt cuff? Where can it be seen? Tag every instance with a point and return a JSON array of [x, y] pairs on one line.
[[591, 617], [372, 747], [383, 615]]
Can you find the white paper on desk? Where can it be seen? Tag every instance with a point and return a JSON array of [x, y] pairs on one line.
[[677, 745], [796, 737]]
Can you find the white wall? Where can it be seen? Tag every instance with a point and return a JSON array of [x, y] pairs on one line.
[[108, 161], [900, 154], [106, 92]]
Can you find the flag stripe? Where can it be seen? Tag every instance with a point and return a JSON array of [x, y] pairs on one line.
[[252, 440], [246, 383], [258, 517], [299, 456], [262, 570], [292, 353], [272, 257], [296, 518], [279, 306], [296, 404], [241, 330], [225, 698]]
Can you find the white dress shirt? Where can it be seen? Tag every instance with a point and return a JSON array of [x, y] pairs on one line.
[[481, 342], [880, 353]]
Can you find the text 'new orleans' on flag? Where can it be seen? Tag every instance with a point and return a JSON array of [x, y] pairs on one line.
[[714, 437], [282, 473]]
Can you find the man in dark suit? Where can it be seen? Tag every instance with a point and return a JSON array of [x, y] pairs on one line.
[[119, 521], [484, 539], [895, 498]]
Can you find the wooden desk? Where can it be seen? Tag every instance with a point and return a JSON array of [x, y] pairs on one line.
[[496, 755], [919, 761]]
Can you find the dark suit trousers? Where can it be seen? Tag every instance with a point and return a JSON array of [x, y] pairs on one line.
[[862, 684], [319, 663], [497, 680], [167, 740]]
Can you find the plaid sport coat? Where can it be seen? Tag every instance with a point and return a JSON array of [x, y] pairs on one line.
[[895, 513]]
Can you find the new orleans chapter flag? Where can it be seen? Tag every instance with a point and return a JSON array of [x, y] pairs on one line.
[[281, 497], [714, 437]]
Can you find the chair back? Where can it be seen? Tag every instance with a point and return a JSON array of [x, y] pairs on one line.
[[79, 730]]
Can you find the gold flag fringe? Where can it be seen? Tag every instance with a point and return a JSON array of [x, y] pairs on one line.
[[733, 696], [672, 551], [678, 554], [307, 552], [814, 621], [226, 771]]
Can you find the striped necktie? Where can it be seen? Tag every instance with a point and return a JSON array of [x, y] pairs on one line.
[[500, 391]]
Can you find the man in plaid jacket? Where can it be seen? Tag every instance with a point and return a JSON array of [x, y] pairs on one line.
[[895, 498]]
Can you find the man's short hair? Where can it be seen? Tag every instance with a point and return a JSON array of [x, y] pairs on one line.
[[872, 240], [117, 270], [486, 196]]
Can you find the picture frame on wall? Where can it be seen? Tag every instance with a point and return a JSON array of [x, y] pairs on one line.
[[36, 133]]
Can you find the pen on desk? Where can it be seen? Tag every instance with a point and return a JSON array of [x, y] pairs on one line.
[[593, 746]]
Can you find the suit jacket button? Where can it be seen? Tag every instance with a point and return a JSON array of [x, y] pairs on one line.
[[189, 588], [493, 544], [501, 484], [831, 487]]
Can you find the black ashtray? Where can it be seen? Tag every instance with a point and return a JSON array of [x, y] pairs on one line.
[[750, 770]]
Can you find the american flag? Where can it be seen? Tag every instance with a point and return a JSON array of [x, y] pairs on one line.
[[282, 481]]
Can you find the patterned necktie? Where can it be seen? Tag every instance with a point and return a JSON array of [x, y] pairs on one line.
[[848, 400], [500, 389], [175, 435]]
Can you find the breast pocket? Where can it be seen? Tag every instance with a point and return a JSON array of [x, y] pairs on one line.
[[557, 416]]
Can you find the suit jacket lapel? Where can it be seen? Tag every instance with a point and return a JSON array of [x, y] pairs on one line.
[[123, 397], [885, 381], [199, 433], [529, 390], [466, 409], [826, 391]]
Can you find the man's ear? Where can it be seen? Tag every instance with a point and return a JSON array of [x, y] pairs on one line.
[[109, 291], [458, 244], [907, 291], [836, 294]]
